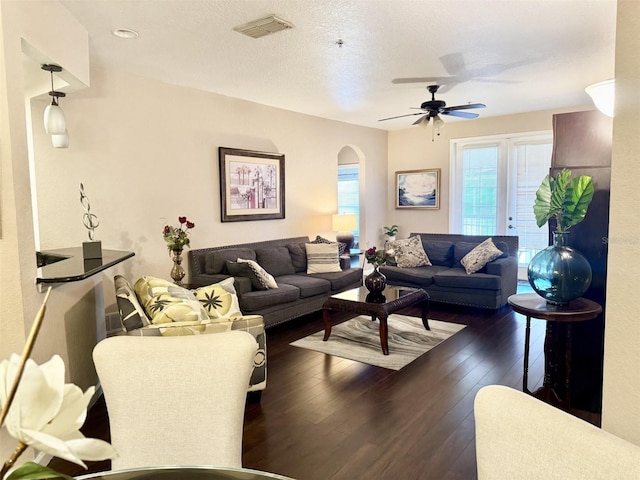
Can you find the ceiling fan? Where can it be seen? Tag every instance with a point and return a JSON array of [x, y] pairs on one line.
[[434, 108]]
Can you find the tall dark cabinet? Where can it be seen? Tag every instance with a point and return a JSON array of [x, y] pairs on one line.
[[582, 143]]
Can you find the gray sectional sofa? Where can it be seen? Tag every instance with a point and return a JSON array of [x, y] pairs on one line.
[[298, 293], [447, 281]]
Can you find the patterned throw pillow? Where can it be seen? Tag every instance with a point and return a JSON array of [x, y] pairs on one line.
[[322, 257], [219, 300], [132, 315], [410, 252], [341, 246], [265, 279], [480, 256], [167, 302]]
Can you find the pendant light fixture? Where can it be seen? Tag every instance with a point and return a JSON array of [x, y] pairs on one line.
[[54, 122], [603, 95]]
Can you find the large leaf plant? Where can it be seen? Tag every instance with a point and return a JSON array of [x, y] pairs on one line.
[[564, 198]]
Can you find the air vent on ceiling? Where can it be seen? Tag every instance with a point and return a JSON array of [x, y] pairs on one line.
[[264, 26]]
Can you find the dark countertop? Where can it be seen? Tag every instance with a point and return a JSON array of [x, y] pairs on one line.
[[68, 264]]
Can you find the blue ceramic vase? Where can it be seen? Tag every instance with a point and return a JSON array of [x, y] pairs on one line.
[[559, 273]]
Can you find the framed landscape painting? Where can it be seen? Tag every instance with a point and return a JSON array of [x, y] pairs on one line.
[[251, 185], [418, 189]]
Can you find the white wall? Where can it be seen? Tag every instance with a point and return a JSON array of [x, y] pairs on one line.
[[147, 152], [621, 390]]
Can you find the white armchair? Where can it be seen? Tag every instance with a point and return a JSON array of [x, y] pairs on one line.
[[176, 400], [520, 437]]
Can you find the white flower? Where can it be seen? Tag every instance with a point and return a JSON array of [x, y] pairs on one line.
[[47, 414]]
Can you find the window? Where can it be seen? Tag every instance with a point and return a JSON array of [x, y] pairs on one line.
[[349, 195], [493, 186]]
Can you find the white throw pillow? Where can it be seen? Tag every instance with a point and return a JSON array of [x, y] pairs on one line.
[[410, 252], [480, 256], [322, 257], [264, 277]]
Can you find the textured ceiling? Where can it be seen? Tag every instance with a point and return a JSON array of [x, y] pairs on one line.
[[514, 56]]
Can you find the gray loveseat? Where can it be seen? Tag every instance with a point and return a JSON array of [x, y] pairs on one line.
[[447, 281], [298, 293]]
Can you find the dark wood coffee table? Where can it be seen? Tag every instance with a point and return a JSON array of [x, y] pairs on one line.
[[359, 301]]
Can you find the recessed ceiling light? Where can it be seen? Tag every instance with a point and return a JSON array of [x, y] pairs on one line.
[[125, 33]]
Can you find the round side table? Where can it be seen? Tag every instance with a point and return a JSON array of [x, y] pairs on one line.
[[531, 305]]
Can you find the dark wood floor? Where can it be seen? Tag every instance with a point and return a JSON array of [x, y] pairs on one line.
[[323, 417]]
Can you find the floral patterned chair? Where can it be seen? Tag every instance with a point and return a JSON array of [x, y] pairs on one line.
[[158, 307]]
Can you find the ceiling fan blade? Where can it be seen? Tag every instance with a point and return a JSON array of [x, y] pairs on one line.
[[466, 107], [457, 113], [400, 116], [424, 119]]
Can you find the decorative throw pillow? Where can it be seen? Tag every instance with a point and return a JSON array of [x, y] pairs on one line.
[[167, 302], [322, 257], [480, 256], [265, 279], [410, 252], [341, 246], [219, 300], [132, 315]]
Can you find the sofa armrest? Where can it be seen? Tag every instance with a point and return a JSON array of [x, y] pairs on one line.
[[507, 269], [241, 284], [502, 266]]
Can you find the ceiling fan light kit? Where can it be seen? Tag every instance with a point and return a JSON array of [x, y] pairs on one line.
[[434, 108]]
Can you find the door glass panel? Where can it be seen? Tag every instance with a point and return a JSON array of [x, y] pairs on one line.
[[479, 187], [533, 161]]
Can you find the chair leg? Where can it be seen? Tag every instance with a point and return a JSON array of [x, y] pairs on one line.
[[254, 397]]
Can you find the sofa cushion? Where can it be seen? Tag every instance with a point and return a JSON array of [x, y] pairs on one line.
[[260, 279], [132, 314], [341, 246], [309, 285], [257, 300], [458, 278], [219, 300], [216, 262], [342, 279], [462, 248], [440, 252], [298, 254], [422, 276], [322, 257], [480, 256], [275, 260], [409, 252], [166, 302]]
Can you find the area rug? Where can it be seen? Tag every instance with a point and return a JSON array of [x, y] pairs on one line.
[[359, 339]]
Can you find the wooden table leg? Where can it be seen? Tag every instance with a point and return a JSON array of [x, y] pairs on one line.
[[326, 318], [424, 312], [384, 334], [525, 374]]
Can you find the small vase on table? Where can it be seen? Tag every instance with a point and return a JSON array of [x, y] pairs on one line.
[[375, 281], [177, 272]]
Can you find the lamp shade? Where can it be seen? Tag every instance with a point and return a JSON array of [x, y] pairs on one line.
[[60, 141], [344, 222], [603, 95], [54, 122]]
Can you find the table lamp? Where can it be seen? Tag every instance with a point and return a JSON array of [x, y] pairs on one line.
[[344, 223]]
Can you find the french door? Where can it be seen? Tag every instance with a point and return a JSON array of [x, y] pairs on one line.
[[493, 187]]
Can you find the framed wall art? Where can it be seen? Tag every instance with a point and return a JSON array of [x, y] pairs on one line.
[[251, 185], [418, 189]]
